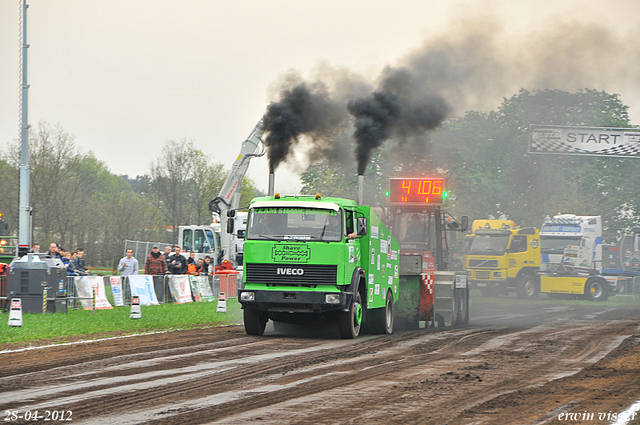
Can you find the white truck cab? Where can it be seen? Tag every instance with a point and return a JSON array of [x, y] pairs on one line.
[[571, 242]]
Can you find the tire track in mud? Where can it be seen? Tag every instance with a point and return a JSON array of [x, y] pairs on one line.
[[112, 397], [415, 377], [320, 351], [449, 404]]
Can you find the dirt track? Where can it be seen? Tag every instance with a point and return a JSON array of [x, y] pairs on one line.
[[524, 367]]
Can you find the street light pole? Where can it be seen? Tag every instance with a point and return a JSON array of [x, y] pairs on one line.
[[24, 234]]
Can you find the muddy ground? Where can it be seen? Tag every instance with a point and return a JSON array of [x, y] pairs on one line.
[[536, 363]]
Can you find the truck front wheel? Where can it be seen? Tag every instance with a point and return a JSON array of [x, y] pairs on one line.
[[596, 289], [382, 318], [349, 322], [528, 286], [254, 321]]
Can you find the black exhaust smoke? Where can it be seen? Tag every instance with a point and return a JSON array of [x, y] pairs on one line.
[[401, 109], [374, 118], [302, 110]]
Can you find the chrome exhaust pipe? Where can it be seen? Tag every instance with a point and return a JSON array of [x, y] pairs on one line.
[[272, 183], [360, 198]]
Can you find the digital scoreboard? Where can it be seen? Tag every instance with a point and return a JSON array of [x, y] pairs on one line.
[[417, 192]]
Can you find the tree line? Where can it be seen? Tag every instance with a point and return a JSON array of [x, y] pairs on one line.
[[78, 202], [484, 158]]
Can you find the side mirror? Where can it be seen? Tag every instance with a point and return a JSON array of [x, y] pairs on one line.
[[464, 223], [241, 234], [230, 224], [361, 226]]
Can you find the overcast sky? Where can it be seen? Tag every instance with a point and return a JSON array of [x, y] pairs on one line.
[[125, 76]]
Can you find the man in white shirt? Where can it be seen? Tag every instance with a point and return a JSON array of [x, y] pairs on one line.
[[128, 265]]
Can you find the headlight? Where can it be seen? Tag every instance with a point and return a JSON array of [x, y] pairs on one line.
[[332, 298], [247, 296], [497, 274]]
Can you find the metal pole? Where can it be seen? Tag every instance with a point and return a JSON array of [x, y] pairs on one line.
[[24, 236]]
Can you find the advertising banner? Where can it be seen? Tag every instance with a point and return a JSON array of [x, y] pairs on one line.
[[202, 288], [180, 289], [594, 141], [142, 286], [116, 290], [85, 285]]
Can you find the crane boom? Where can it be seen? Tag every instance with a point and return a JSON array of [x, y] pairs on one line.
[[228, 201]]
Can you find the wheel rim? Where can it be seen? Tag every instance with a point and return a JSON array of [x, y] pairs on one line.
[[357, 319], [528, 288], [596, 290]]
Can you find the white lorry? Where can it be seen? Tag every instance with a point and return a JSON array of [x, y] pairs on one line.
[[571, 257]]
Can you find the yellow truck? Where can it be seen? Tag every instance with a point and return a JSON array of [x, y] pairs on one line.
[[504, 259]]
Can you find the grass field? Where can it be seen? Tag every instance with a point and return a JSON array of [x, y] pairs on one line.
[[60, 326]]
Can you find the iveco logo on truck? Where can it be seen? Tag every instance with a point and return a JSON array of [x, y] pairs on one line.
[[289, 271]]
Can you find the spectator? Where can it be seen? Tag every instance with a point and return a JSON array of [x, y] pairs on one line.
[[195, 268], [78, 263], [192, 258], [177, 263], [35, 248], [70, 270], [54, 250], [128, 264], [168, 250], [205, 266], [155, 263]]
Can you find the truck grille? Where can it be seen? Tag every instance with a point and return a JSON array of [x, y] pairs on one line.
[[483, 263], [483, 274], [291, 274]]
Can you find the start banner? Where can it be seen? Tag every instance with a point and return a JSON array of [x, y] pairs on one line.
[[594, 141]]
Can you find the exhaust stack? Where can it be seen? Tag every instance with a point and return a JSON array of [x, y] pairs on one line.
[[360, 198], [272, 183]]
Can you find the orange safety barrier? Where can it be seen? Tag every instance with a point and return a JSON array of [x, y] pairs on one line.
[[228, 282]]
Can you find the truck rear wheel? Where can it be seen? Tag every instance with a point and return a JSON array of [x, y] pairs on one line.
[[596, 289], [349, 322], [254, 321], [459, 307], [382, 319], [528, 286]]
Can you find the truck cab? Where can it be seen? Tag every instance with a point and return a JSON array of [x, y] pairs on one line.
[[505, 259], [310, 259], [571, 258], [203, 240], [571, 243]]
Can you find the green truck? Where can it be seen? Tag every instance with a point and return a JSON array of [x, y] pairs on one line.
[[310, 259]]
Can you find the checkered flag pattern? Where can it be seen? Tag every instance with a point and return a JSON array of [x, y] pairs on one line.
[[556, 146], [428, 281]]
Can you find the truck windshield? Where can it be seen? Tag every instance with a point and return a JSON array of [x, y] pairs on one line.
[[557, 244], [489, 244], [288, 223]]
